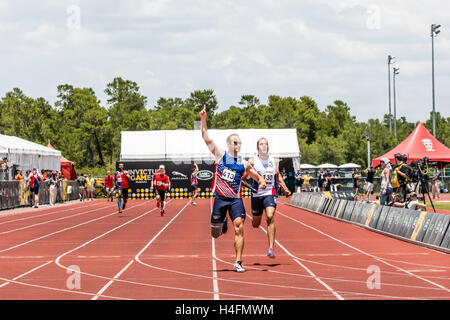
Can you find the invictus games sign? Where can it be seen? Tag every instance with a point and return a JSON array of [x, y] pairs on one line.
[[180, 176]]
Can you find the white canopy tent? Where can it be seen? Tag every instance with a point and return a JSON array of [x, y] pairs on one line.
[[327, 166], [187, 145], [27, 155], [349, 166]]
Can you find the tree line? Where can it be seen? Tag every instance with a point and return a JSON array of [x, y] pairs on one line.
[[88, 133]]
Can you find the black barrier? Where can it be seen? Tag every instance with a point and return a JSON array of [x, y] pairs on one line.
[[365, 211], [347, 195], [348, 210], [383, 215], [439, 229], [341, 209], [410, 223], [390, 219], [375, 216], [425, 226], [446, 239], [9, 194]]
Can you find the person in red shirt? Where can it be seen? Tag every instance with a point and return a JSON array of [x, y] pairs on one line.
[[122, 177], [160, 183], [109, 186]]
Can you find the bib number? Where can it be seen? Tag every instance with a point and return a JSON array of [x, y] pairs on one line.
[[228, 175], [268, 178]]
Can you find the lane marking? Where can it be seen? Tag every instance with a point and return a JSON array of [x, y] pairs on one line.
[[26, 273], [312, 274], [62, 230], [366, 253]]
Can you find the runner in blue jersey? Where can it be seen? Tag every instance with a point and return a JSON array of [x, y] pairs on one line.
[[229, 170]]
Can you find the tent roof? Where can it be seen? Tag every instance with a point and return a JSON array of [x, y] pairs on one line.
[[349, 165], [21, 146], [63, 159], [327, 165], [307, 166], [188, 144], [419, 144]]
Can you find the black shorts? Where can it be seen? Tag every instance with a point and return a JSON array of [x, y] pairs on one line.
[[161, 193], [34, 190], [125, 193]]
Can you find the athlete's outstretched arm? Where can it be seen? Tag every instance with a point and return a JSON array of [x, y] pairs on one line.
[[280, 180], [212, 146], [250, 171]]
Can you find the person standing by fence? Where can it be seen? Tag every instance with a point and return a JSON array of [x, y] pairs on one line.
[[90, 182], [53, 180]]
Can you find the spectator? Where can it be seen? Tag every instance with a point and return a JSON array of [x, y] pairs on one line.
[[306, 180], [414, 180], [355, 177], [435, 183], [328, 178], [386, 178], [298, 181], [90, 183], [82, 187], [370, 172], [414, 204], [400, 176], [53, 180], [284, 176], [4, 168], [19, 175], [320, 179]]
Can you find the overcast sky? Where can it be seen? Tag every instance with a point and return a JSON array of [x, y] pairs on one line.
[[326, 49]]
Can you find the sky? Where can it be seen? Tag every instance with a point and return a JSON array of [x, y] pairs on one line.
[[328, 50]]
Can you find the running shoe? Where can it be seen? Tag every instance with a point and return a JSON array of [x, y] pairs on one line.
[[162, 212], [270, 254], [238, 266]]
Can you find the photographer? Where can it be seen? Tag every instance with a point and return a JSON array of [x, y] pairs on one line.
[[435, 183], [400, 176]]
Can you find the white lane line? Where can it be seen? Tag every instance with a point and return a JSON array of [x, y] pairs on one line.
[[366, 253], [100, 292], [62, 230], [57, 261], [26, 273], [50, 221], [312, 274], [214, 263], [43, 215]]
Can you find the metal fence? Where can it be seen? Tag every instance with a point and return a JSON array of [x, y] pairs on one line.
[[15, 194]]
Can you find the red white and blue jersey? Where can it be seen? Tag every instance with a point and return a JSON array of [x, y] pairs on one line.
[[227, 181], [121, 180], [194, 181]]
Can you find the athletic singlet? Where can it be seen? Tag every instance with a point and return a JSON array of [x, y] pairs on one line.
[[266, 169], [121, 179], [228, 173], [194, 179]]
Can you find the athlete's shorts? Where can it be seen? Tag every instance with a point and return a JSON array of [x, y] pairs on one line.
[[222, 205], [162, 194], [34, 190], [261, 203], [125, 193], [119, 187], [194, 187], [108, 190]]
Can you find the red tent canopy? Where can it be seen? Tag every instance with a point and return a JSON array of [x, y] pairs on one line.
[[67, 167], [419, 144]]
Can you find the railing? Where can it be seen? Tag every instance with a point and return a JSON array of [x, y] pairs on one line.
[[15, 194]]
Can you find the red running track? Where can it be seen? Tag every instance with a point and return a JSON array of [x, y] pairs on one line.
[[89, 251]]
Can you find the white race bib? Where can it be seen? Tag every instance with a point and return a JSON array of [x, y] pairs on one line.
[[228, 175]]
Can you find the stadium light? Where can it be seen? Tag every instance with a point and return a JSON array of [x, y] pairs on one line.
[[434, 32], [391, 60], [396, 72]]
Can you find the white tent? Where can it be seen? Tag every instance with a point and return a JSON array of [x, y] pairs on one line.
[[328, 166], [307, 166], [27, 155], [188, 145], [349, 166]]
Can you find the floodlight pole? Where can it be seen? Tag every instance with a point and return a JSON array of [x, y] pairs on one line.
[[396, 71], [390, 58], [434, 32]]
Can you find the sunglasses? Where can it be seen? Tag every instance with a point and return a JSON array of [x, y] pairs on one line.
[[237, 143]]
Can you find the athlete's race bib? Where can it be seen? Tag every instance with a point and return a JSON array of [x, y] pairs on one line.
[[268, 177], [228, 175]]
